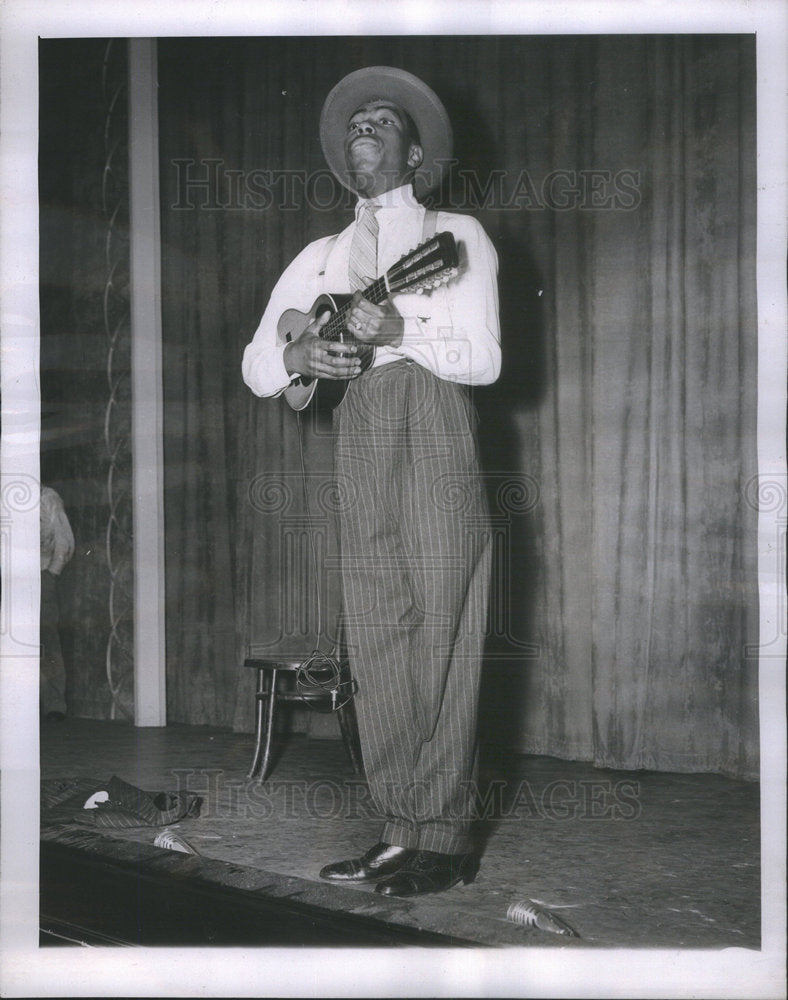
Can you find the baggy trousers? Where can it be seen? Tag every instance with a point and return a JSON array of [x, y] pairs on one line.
[[415, 555]]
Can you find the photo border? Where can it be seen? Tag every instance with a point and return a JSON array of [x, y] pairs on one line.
[[27, 970]]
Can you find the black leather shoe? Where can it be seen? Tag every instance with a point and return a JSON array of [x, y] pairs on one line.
[[428, 871], [379, 861]]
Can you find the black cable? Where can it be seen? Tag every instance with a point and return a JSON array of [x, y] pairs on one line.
[[320, 672], [309, 522]]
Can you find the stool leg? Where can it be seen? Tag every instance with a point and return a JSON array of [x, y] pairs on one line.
[[348, 726], [258, 729], [269, 725]]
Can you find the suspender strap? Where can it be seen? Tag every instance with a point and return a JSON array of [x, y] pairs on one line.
[[430, 224]]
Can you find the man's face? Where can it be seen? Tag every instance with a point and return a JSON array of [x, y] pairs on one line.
[[378, 147]]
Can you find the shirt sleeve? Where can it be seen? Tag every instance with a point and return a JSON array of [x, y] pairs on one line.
[[454, 331], [263, 366]]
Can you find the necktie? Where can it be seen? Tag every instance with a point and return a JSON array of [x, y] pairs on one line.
[[363, 264]]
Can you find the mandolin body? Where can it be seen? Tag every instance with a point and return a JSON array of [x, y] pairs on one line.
[[292, 324]]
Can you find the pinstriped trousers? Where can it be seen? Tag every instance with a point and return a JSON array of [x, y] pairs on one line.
[[415, 552]]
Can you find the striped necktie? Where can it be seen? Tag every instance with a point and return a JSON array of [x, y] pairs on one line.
[[363, 264]]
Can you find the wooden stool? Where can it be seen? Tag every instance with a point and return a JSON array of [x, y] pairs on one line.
[[269, 693]]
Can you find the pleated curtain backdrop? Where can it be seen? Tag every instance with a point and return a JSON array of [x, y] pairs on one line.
[[616, 177]]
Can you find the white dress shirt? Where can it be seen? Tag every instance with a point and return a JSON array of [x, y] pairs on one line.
[[453, 331]]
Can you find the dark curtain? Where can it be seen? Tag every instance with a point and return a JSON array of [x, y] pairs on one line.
[[86, 358], [616, 177]]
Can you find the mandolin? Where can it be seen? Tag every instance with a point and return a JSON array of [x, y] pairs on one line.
[[431, 264]]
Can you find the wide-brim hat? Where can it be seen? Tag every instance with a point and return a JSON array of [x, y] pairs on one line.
[[402, 88]]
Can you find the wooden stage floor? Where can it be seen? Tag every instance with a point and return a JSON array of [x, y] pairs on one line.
[[626, 859]]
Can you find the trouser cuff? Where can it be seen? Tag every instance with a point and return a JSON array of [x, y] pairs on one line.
[[427, 838], [444, 842], [400, 836]]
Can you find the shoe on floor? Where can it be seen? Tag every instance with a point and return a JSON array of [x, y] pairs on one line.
[[428, 871], [379, 862]]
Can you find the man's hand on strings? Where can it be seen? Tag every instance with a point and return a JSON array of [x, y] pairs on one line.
[[373, 324]]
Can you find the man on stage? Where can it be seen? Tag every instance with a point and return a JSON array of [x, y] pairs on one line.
[[414, 541]]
